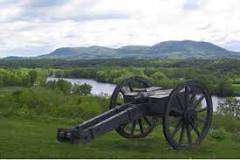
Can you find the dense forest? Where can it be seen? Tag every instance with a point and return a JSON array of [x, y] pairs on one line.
[[226, 64]]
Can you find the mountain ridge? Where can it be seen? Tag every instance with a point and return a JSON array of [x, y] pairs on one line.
[[172, 49]]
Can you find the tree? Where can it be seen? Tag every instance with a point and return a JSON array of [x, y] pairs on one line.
[[83, 89], [64, 86], [224, 88], [33, 76], [61, 85]]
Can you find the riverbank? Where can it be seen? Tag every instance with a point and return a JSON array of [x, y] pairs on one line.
[[98, 88], [103, 88]]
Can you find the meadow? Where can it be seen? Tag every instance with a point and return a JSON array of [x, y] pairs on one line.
[[31, 116], [31, 110], [21, 138]]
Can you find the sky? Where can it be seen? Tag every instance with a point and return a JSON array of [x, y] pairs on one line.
[[36, 27]]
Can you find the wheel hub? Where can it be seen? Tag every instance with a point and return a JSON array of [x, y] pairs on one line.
[[190, 116]]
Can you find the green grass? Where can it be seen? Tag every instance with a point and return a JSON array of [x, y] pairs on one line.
[[4, 90], [21, 138], [236, 89], [29, 120]]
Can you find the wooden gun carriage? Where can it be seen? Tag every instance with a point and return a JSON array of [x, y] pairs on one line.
[[136, 106]]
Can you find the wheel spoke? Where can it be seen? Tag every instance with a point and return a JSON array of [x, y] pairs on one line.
[[130, 86], [180, 102], [182, 133], [122, 91], [195, 129], [193, 96], [176, 110], [140, 125], [177, 128], [186, 97], [189, 136], [133, 127], [198, 101], [148, 122]]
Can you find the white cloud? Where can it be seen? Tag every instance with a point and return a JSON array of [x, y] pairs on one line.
[[31, 28]]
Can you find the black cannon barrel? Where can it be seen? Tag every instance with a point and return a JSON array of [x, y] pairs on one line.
[[102, 123]]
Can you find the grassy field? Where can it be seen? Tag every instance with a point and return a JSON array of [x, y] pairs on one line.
[[21, 138], [4, 90], [29, 120], [236, 89]]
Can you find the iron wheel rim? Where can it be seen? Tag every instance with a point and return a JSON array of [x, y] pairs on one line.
[[192, 115], [141, 127]]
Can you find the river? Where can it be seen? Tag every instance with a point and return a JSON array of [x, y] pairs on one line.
[[100, 88]]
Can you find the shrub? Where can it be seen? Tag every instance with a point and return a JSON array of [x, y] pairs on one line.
[[235, 136], [33, 76], [230, 124], [218, 134], [67, 87], [43, 102], [61, 85], [84, 89], [224, 88]]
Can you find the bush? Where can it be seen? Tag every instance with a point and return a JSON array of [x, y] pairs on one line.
[[33, 76], [67, 87], [43, 102], [224, 88], [230, 124], [218, 134], [84, 89], [61, 85], [235, 136]]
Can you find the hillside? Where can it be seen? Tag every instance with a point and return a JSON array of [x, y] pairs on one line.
[[170, 49], [82, 53], [189, 48]]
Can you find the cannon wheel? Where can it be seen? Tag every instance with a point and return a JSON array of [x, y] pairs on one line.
[[188, 115], [139, 128]]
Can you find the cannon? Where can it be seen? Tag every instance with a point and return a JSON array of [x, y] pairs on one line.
[[136, 108]]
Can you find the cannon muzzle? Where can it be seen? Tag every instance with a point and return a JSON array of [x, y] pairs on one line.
[[73, 136], [64, 135]]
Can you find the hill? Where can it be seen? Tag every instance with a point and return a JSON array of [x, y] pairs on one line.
[[13, 58], [169, 49], [190, 49], [82, 53]]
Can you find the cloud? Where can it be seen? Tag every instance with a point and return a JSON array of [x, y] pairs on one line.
[[192, 4], [32, 27], [232, 45], [77, 10], [9, 10], [46, 3]]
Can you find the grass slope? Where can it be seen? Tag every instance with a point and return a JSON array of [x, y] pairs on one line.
[[21, 138]]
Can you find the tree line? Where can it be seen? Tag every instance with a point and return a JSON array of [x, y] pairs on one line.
[[217, 83]]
